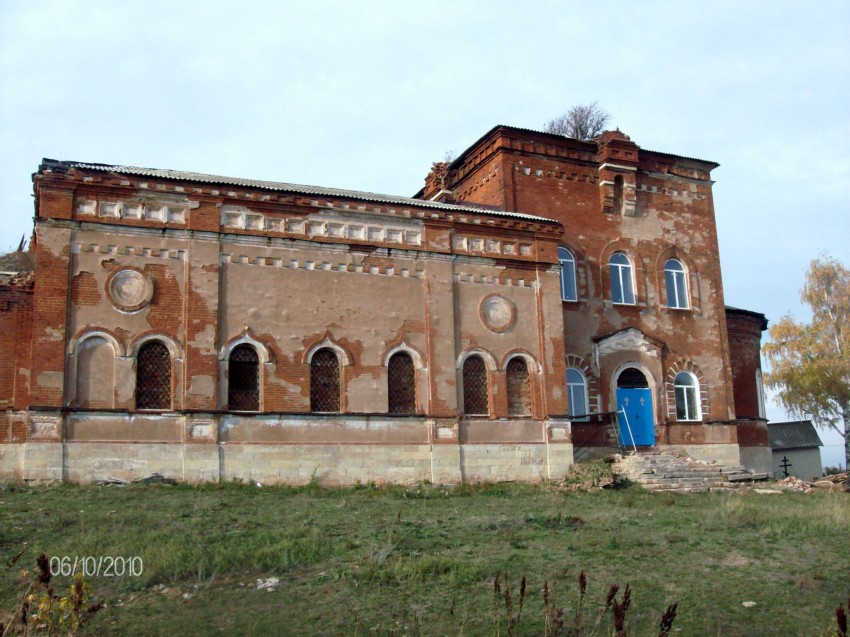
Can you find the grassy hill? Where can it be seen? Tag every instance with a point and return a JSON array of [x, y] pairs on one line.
[[422, 560]]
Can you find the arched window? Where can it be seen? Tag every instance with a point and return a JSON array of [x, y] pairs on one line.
[[153, 376], [568, 275], [622, 286], [677, 285], [476, 402], [577, 390], [687, 397], [401, 384], [324, 382], [243, 379], [519, 388]]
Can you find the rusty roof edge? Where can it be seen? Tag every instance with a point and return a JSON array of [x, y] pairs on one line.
[[166, 173], [591, 145]]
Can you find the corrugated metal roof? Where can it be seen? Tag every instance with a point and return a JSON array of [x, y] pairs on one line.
[[798, 434], [182, 175]]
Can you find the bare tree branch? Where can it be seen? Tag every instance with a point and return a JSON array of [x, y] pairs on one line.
[[584, 121]]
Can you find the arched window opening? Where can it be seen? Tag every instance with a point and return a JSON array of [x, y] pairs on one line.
[[568, 275], [243, 379], [401, 384], [622, 285], [577, 391], [153, 376], [618, 194], [324, 382], [519, 388], [475, 396], [687, 392], [677, 285]]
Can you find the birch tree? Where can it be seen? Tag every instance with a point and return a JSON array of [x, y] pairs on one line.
[[810, 364]]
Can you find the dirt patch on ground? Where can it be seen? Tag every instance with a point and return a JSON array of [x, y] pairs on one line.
[[735, 559]]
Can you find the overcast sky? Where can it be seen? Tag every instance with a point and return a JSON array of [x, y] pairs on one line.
[[366, 95]]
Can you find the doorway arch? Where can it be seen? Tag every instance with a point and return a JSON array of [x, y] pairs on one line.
[[634, 408]]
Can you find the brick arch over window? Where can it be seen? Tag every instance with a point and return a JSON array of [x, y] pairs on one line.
[[689, 366], [327, 341], [593, 395], [76, 343], [404, 346], [173, 347], [533, 366]]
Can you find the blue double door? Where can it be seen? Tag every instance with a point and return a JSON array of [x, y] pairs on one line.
[[634, 411]]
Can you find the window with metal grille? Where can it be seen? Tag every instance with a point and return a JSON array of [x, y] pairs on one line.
[[243, 379], [153, 376], [401, 384], [519, 389], [324, 382], [475, 399]]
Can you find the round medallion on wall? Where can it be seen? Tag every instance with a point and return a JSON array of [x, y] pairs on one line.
[[129, 290], [497, 313]]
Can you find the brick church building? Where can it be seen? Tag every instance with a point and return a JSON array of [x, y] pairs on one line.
[[494, 326]]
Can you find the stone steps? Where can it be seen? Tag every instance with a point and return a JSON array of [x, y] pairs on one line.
[[662, 472]]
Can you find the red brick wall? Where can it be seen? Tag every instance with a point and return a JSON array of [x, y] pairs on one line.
[[16, 303], [745, 351], [568, 181]]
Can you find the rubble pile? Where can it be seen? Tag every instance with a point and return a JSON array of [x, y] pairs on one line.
[[836, 482], [793, 483]]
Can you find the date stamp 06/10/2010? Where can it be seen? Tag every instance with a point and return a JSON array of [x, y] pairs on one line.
[[100, 566]]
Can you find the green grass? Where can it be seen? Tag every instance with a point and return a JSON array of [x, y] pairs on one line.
[[422, 560]]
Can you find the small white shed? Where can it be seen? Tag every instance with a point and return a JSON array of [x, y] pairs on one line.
[[796, 449]]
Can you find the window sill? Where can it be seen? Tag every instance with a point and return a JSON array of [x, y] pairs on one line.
[[666, 309]]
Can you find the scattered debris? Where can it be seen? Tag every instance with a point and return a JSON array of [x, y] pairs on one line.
[[836, 481], [767, 491], [793, 483], [270, 584], [748, 604], [151, 478]]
